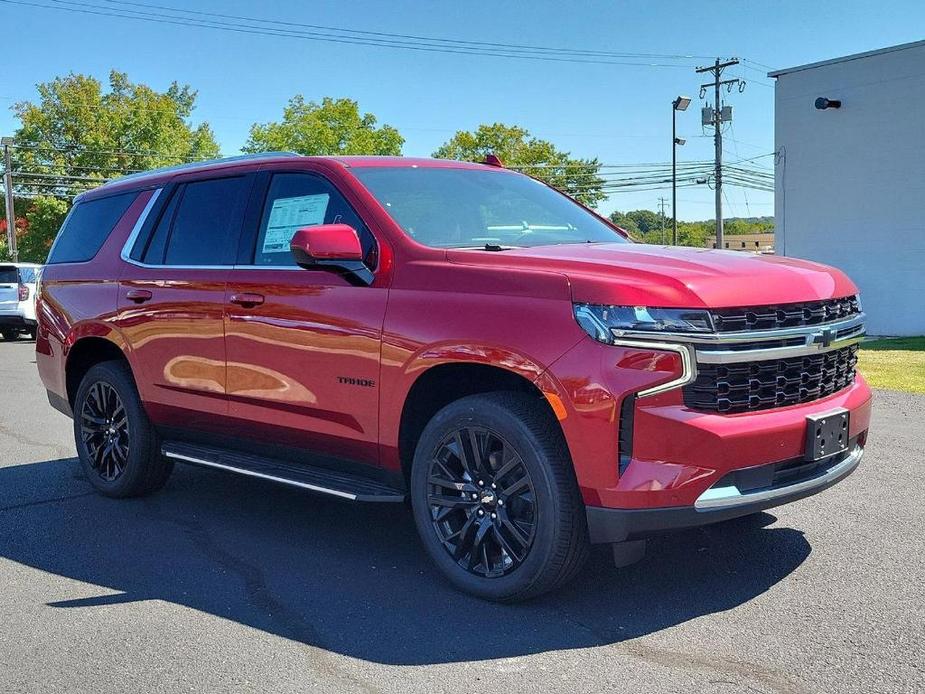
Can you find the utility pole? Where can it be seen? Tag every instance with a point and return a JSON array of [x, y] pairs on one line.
[[661, 206], [8, 190], [715, 116]]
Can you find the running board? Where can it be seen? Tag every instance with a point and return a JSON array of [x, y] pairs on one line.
[[314, 479]]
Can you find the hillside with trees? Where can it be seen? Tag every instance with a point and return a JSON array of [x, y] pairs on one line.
[[646, 226]]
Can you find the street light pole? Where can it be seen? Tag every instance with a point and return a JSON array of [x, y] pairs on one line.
[[679, 104]]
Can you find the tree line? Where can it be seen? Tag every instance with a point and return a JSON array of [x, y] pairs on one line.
[[79, 133], [649, 227]]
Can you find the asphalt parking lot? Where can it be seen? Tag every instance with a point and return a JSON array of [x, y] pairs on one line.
[[223, 584]]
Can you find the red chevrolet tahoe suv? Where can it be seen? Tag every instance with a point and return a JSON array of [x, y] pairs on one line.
[[454, 335]]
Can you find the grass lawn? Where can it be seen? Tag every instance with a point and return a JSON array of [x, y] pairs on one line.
[[895, 364]]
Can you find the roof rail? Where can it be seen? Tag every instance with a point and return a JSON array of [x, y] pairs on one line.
[[196, 164]]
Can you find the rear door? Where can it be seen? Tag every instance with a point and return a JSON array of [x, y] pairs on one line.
[[9, 289], [171, 299], [303, 353]]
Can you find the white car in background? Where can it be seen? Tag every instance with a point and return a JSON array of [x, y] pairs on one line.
[[17, 299]]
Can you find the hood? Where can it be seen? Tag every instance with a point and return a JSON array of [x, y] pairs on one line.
[[667, 276]]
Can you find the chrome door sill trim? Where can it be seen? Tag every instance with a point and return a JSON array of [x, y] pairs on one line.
[[261, 475]]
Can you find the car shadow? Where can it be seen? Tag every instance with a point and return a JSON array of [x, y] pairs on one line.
[[353, 579]]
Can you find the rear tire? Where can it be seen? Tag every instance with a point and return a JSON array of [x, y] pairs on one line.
[[495, 498], [116, 443], [9, 335]]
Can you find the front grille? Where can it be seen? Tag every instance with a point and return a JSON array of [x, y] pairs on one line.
[[760, 385], [784, 315]]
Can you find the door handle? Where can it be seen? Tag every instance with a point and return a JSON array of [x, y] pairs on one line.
[[139, 296], [247, 299]]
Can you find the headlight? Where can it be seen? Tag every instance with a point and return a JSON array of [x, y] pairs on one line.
[[600, 322]]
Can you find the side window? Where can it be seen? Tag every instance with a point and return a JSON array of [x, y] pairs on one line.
[[296, 200], [87, 227], [207, 223], [199, 225]]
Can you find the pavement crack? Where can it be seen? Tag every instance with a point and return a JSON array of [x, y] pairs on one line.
[[23, 440], [40, 502]]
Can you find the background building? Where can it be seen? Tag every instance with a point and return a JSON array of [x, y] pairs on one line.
[[850, 178], [756, 243]]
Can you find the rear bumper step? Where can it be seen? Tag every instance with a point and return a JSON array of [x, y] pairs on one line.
[[314, 479]]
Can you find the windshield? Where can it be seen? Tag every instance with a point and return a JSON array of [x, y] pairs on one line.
[[465, 208]]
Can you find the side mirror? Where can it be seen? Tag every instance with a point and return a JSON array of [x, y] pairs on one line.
[[334, 246]]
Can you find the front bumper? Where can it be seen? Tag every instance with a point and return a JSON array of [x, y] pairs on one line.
[[714, 505]]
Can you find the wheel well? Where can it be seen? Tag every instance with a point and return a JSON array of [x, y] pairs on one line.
[[439, 386], [84, 355]]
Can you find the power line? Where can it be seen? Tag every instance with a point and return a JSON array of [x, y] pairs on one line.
[[430, 39], [244, 28], [755, 62], [115, 152]]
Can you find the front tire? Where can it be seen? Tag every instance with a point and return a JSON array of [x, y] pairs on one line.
[[495, 498], [118, 447]]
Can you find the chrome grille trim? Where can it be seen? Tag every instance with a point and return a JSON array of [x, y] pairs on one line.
[[745, 336], [688, 364], [703, 353]]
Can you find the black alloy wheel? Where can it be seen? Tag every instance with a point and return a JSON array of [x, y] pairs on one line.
[[482, 501], [104, 428], [118, 447], [495, 499]]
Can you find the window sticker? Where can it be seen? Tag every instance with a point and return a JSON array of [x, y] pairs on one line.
[[290, 214]]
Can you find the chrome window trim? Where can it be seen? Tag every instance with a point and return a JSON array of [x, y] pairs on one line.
[[129, 244], [730, 497], [688, 365]]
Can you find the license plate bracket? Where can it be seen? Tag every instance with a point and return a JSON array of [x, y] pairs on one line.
[[826, 434]]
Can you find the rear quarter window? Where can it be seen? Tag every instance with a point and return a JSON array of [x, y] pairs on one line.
[[87, 227]]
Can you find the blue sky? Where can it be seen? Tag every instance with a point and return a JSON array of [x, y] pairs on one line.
[[618, 113]]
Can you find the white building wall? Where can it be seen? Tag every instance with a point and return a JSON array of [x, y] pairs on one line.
[[850, 182]]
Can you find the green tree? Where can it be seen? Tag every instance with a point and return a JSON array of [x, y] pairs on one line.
[[77, 135], [335, 126], [43, 219], [37, 222], [642, 221], [539, 158], [624, 221]]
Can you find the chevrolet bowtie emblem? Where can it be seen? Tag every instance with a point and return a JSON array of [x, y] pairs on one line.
[[825, 337]]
